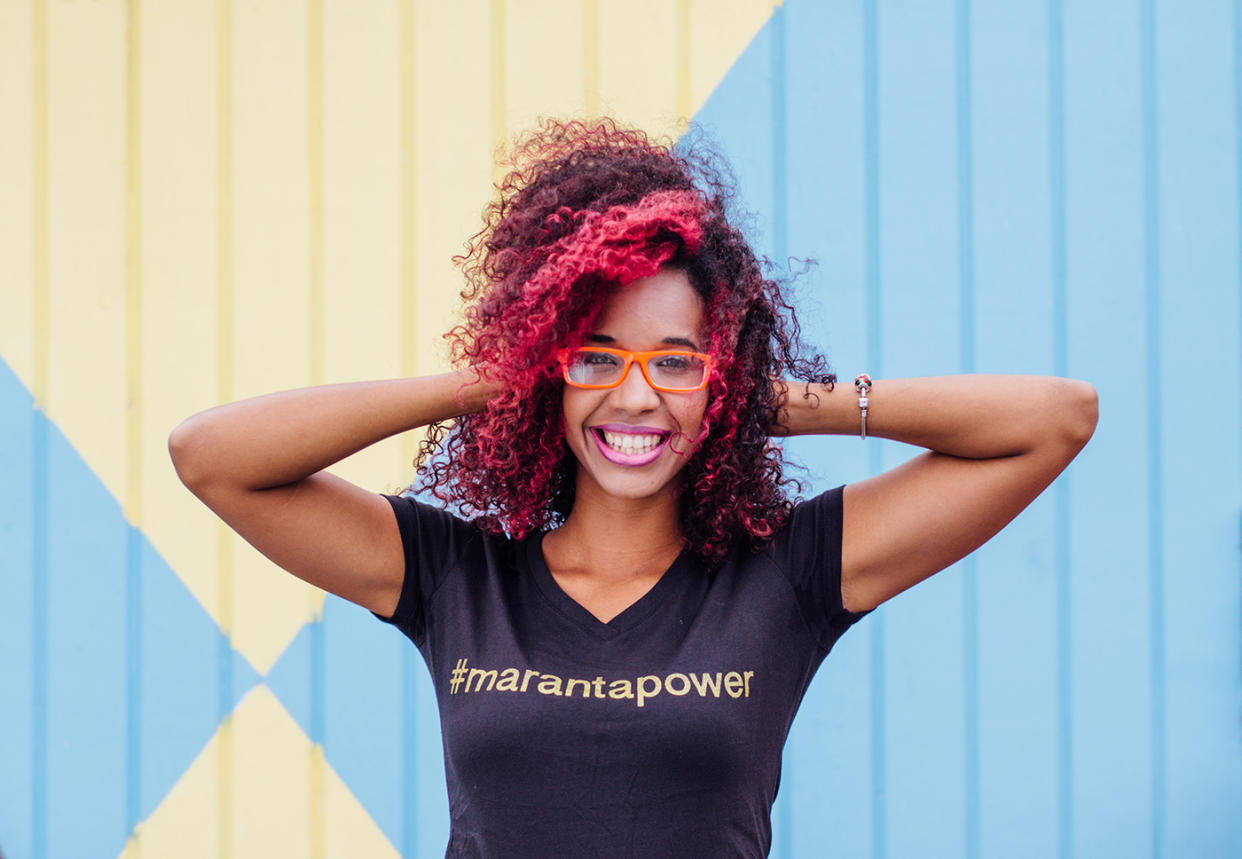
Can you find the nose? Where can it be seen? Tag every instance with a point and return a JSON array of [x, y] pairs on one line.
[[634, 394]]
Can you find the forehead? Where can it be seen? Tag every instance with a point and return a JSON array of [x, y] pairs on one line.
[[654, 308]]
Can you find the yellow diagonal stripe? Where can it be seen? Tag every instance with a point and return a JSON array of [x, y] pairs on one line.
[[269, 812]]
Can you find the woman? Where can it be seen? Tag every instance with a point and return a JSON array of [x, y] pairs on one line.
[[621, 623]]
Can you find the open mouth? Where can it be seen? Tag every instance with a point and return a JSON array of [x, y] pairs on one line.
[[630, 444], [630, 448]]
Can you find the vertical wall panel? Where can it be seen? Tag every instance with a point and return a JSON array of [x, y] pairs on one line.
[[1153, 290], [364, 664], [642, 92], [39, 464], [132, 503], [219, 760], [544, 60], [86, 662], [18, 224], [1199, 326], [270, 98], [17, 179], [1013, 334], [451, 45], [85, 669], [783, 813], [362, 187], [180, 271], [86, 128], [17, 716], [430, 827], [918, 221], [272, 305], [830, 784], [1111, 683], [731, 131]]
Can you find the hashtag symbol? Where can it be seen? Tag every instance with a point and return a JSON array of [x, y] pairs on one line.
[[457, 675]]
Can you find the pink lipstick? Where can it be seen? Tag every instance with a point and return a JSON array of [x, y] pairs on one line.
[[649, 443]]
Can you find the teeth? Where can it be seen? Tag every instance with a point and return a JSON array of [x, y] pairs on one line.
[[631, 443]]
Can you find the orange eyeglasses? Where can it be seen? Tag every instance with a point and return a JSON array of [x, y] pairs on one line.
[[671, 370]]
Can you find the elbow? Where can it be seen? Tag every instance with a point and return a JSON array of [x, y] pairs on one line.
[[186, 449], [1081, 412]]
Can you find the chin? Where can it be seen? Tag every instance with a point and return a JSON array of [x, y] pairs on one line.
[[634, 486]]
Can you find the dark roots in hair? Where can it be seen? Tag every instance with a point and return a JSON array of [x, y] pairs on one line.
[[588, 206]]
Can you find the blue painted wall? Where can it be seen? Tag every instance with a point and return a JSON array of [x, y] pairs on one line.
[[1033, 189]]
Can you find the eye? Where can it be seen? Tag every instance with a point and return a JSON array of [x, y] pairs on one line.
[[593, 367], [596, 359], [677, 364]]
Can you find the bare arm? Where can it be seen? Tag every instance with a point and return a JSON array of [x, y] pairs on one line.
[[259, 465], [994, 443]]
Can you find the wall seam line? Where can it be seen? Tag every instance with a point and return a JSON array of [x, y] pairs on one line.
[[499, 97], [39, 428], [780, 251], [590, 57], [1060, 353], [684, 104], [224, 389], [407, 68], [963, 74], [1155, 440], [134, 407], [316, 361], [875, 453]]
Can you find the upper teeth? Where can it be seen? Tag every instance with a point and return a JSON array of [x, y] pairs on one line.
[[631, 442]]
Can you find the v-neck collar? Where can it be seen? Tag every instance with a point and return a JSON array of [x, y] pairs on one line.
[[570, 608]]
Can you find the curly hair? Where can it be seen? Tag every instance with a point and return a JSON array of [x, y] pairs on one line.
[[585, 208]]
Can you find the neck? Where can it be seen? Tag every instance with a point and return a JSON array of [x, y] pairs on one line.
[[618, 537]]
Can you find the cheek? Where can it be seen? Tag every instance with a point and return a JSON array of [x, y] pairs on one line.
[[576, 406], [689, 413], [569, 404]]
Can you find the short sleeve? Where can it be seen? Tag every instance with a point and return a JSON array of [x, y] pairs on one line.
[[808, 552], [432, 540]]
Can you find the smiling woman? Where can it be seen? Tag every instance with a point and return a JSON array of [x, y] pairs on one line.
[[623, 608], [588, 214]]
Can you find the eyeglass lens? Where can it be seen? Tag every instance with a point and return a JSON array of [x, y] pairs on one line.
[[674, 370]]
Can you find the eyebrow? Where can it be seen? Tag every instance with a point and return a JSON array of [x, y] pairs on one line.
[[667, 341]]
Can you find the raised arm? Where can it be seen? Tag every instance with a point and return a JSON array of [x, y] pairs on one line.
[[259, 464], [994, 443]]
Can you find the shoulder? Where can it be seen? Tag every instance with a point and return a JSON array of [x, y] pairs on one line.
[[812, 533], [410, 510], [435, 539], [439, 547], [807, 552]]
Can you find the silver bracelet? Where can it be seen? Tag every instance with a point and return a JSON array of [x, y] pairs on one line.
[[862, 384]]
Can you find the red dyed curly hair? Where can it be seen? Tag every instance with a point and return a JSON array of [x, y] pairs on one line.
[[588, 207]]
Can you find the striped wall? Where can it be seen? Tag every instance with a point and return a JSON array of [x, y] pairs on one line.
[[206, 200]]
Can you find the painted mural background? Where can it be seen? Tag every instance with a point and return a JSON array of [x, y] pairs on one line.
[[203, 201]]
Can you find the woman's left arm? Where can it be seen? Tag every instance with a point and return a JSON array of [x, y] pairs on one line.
[[993, 444]]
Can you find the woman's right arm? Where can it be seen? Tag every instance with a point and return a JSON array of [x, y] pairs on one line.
[[259, 464]]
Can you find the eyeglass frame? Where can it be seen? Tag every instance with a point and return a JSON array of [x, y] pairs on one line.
[[640, 358]]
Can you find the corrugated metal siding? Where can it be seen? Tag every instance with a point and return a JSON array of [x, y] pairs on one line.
[[209, 200]]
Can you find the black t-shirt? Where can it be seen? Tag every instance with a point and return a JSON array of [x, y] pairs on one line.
[[658, 733]]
